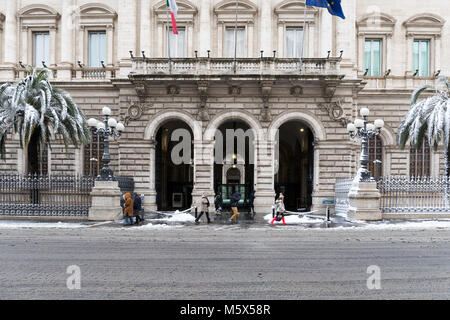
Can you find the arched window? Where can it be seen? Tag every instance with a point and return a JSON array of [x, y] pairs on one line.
[[93, 154], [420, 161], [376, 157]]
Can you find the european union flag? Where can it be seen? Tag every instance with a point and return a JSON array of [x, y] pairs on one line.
[[333, 6]]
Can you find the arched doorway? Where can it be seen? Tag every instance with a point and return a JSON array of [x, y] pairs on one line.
[[294, 174], [174, 172], [234, 164]]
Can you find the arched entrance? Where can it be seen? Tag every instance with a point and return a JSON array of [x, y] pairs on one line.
[[174, 173], [294, 172], [234, 165]]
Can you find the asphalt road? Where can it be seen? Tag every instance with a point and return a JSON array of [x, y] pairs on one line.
[[213, 262]]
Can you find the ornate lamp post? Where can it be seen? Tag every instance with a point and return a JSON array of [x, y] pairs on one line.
[[363, 130], [108, 128]]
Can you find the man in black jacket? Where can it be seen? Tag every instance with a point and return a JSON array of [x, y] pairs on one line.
[[137, 208]]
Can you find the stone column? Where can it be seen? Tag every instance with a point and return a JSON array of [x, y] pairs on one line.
[[265, 174], [204, 39], [146, 26], [326, 37], [109, 46], [266, 27], [150, 195], [52, 58], [127, 17], [281, 38], [65, 64], [10, 44], [250, 33], [203, 172]]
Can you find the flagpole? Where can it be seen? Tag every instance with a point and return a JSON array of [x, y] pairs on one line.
[[168, 40], [303, 39], [235, 36]]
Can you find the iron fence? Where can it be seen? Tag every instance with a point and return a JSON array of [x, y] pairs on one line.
[[52, 196], [342, 189], [414, 194]]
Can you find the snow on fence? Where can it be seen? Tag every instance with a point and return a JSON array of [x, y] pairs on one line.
[[414, 194], [342, 188]]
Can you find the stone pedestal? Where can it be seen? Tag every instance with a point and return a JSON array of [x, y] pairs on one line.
[[264, 201], [105, 202], [364, 201]]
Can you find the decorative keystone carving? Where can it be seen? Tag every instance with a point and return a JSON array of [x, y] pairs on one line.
[[173, 90], [329, 89], [335, 111], [266, 90], [296, 91], [202, 87], [234, 90], [141, 90]]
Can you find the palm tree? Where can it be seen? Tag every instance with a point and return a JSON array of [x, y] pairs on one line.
[[429, 119], [35, 110]]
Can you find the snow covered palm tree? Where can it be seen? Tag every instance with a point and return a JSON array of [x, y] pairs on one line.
[[35, 110], [428, 119]]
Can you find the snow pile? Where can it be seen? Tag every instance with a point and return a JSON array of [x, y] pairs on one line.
[[294, 219], [157, 227], [407, 225], [179, 217], [9, 224]]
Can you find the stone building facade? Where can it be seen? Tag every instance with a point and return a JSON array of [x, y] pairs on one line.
[[374, 58]]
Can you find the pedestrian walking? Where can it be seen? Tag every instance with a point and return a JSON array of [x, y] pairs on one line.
[[251, 204], [128, 212], [235, 198], [204, 209], [218, 202], [137, 208], [280, 210]]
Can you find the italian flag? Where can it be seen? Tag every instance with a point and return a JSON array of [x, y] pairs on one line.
[[172, 5]]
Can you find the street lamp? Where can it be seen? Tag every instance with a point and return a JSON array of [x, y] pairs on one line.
[[363, 130], [108, 128]]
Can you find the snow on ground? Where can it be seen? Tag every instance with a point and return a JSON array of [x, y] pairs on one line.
[[177, 217], [294, 220], [404, 225], [22, 224]]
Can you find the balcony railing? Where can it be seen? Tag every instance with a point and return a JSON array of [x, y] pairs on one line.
[[77, 73], [243, 67]]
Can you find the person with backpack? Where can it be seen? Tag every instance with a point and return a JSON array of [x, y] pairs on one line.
[[204, 209]]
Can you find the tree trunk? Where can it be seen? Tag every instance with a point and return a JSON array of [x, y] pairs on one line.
[[34, 153]]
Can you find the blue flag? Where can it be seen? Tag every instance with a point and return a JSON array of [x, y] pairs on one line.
[[333, 6]]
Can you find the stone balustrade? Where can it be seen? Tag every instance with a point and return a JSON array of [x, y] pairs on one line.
[[193, 67]]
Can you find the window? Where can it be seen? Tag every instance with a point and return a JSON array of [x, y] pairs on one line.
[[294, 40], [41, 48], [93, 155], [419, 161], [376, 157], [178, 43], [230, 40], [97, 48], [372, 57], [422, 57]]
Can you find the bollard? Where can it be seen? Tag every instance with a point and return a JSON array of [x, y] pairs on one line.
[[196, 212], [273, 212], [328, 214]]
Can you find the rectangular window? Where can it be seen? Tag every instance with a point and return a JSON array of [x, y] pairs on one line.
[[294, 40], [178, 43], [230, 41], [97, 48], [422, 57], [372, 57], [41, 49]]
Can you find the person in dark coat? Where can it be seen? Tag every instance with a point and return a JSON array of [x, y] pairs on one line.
[[235, 198], [251, 204], [137, 208], [218, 202]]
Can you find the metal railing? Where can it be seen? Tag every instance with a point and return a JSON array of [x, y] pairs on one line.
[[414, 194], [52, 196], [342, 189]]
